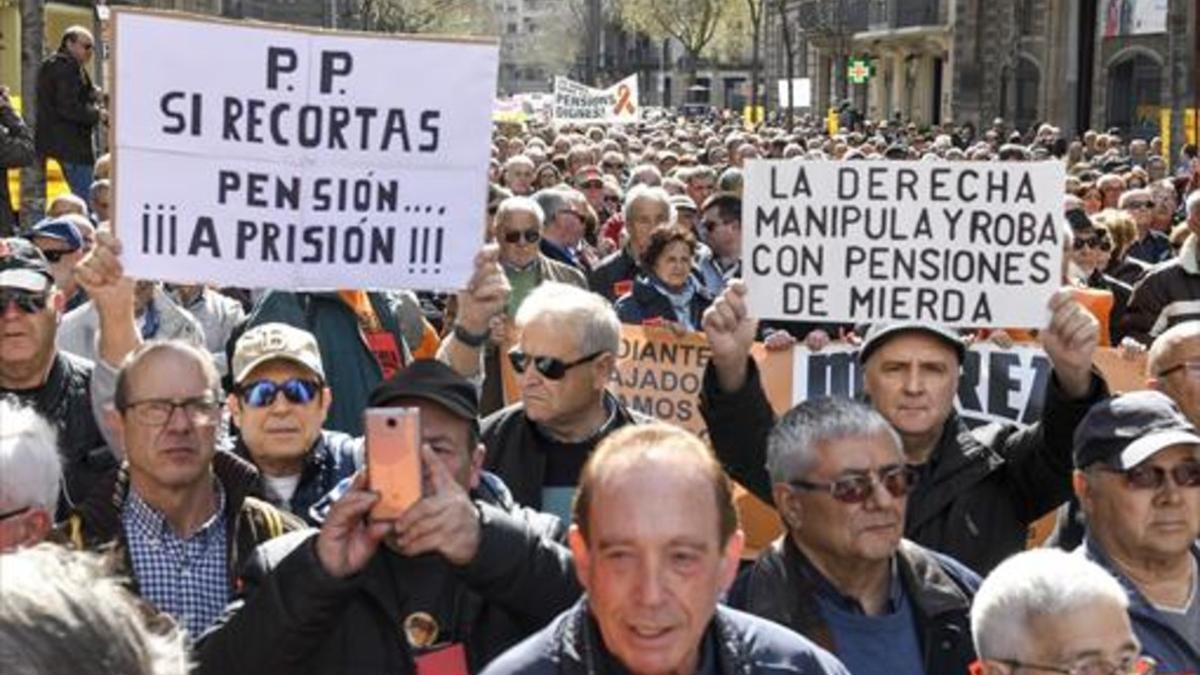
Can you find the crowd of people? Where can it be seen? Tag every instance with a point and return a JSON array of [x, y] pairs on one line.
[[184, 475]]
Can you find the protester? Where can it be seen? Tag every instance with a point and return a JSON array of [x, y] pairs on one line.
[[518, 175], [1045, 610], [64, 612], [646, 209], [157, 316], [16, 151], [99, 196], [460, 577], [60, 240], [562, 228], [1151, 246], [1137, 461], [1122, 233], [69, 108], [1173, 367], [842, 575], [30, 471], [979, 492], [1167, 295], [667, 293], [721, 223], [564, 359], [655, 542]]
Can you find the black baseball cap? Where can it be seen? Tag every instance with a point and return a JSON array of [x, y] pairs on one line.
[[1078, 220], [1127, 430], [23, 266], [430, 380], [880, 333]]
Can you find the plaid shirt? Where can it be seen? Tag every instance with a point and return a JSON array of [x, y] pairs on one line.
[[186, 578]]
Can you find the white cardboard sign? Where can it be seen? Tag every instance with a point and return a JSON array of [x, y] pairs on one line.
[[576, 103]]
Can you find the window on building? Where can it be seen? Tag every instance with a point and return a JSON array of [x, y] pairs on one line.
[[1029, 81], [1026, 16], [1134, 95]]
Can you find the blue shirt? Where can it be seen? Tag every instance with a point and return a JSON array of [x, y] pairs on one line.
[[184, 577]]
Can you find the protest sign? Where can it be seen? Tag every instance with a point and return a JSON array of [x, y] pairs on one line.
[[801, 89], [576, 103], [962, 244], [298, 159]]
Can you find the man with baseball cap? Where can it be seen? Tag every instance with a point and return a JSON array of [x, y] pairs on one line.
[[461, 576], [979, 490], [33, 370], [64, 244], [279, 402], [1137, 476]]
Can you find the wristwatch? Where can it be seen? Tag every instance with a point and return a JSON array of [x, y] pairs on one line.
[[468, 338]]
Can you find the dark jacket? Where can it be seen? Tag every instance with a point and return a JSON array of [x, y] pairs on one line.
[[515, 454], [66, 110], [979, 491], [613, 274], [741, 644], [295, 618], [96, 524], [1167, 296], [16, 151], [1153, 248], [647, 305], [65, 399], [333, 457], [1129, 270], [777, 588]]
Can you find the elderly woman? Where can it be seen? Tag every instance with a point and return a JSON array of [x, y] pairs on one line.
[[548, 176], [1121, 233], [667, 293]]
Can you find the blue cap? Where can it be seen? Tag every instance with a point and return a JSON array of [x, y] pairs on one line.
[[60, 229], [1127, 430]]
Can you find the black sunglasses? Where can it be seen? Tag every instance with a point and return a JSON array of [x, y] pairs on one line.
[[1154, 477], [515, 236], [54, 256], [550, 367], [858, 488], [262, 393], [28, 302], [1101, 243]]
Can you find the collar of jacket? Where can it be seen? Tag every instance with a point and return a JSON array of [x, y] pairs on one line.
[[581, 650], [960, 460], [1138, 604]]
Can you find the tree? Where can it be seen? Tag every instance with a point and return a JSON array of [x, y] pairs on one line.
[[33, 178], [789, 52], [693, 23], [462, 17], [754, 8], [830, 24]]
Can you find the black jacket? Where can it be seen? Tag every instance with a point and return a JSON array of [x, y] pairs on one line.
[[647, 305], [65, 399], [613, 274], [735, 643], [979, 491], [333, 457], [776, 587], [1166, 296], [66, 110], [515, 454], [295, 618], [16, 151]]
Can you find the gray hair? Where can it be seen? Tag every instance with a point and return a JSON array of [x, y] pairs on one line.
[[30, 468], [551, 201], [792, 445], [649, 193], [1039, 582], [596, 326], [1129, 195], [644, 174], [64, 613], [520, 205]]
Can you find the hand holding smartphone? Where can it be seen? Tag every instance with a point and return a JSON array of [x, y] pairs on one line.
[[393, 459]]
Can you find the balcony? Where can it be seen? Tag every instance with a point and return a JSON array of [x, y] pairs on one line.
[[832, 17], [896, 14]]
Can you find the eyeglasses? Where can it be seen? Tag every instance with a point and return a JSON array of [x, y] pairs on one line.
[[593, 185], [262, 393], [1148, 477], [515, 236], [200, 411], [1128, 665], [550, 367], [27, 302], [714, 224], [1190, 369], [1139, 205], [1101, 243], [14, 513], [55, 256], [858, 488]]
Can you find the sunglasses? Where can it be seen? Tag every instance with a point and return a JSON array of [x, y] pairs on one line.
[[1139, 205], [1101, 243], [1141, 477], [27, 302], [550, 367], [858, 488], [54, 256], [515, 236], [594, 185], [262, 393]]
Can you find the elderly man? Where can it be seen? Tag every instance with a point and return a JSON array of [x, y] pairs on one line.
[[721, 222], [279, 402], [518, 175], [562, 228], [33, 371], [1173, 367], [656, 542], [979, 491], [842, 576], [1048, 611], [30, 471], [701, 181], [1137, 477], [461, 576], [1167, 295], [69, 108], [1151, 246], [518, 229], [646, 209], [61, 240], [564, 358]]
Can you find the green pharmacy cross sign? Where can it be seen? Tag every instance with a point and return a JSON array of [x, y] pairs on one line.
[[860, 70]]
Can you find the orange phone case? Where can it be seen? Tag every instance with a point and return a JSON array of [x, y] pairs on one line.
[[393, 459]]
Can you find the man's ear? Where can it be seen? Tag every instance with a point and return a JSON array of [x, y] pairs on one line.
[[326, 400], [116, 424], [1083, 490], [789, 510], [234, 403], [603, 369], [476, 465], [579, 551]]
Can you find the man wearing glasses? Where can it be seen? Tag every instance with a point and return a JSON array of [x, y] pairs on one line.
[[1137, 461], [1174, 367], [1167, 296], [68, 109], [843, 576], [721, 224], [1151, 246], [178, 512]]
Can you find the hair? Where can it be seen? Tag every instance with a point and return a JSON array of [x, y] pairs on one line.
[[30, 468], [1120, 226], [793, 443], [1166, 344], [551, 201], [65, 613], [1032, 584], [731, 180], [663, 237], [649, 193], [66, 203], [519, 205], [644, 174], [594, 319], [72, 34], [1133, 193], [134, 359], [517, 159], [635, 445], [698, 173]]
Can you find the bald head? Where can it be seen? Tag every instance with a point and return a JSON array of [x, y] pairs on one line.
[[1173, 367]]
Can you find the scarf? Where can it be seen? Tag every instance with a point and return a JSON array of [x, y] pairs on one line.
[[681, 300]]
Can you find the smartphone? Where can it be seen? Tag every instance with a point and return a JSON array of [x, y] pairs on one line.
[[393, 459]]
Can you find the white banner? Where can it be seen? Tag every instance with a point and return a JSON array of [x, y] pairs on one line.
[[298, 159], [576, 103], [962, 243], [801, 88]]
